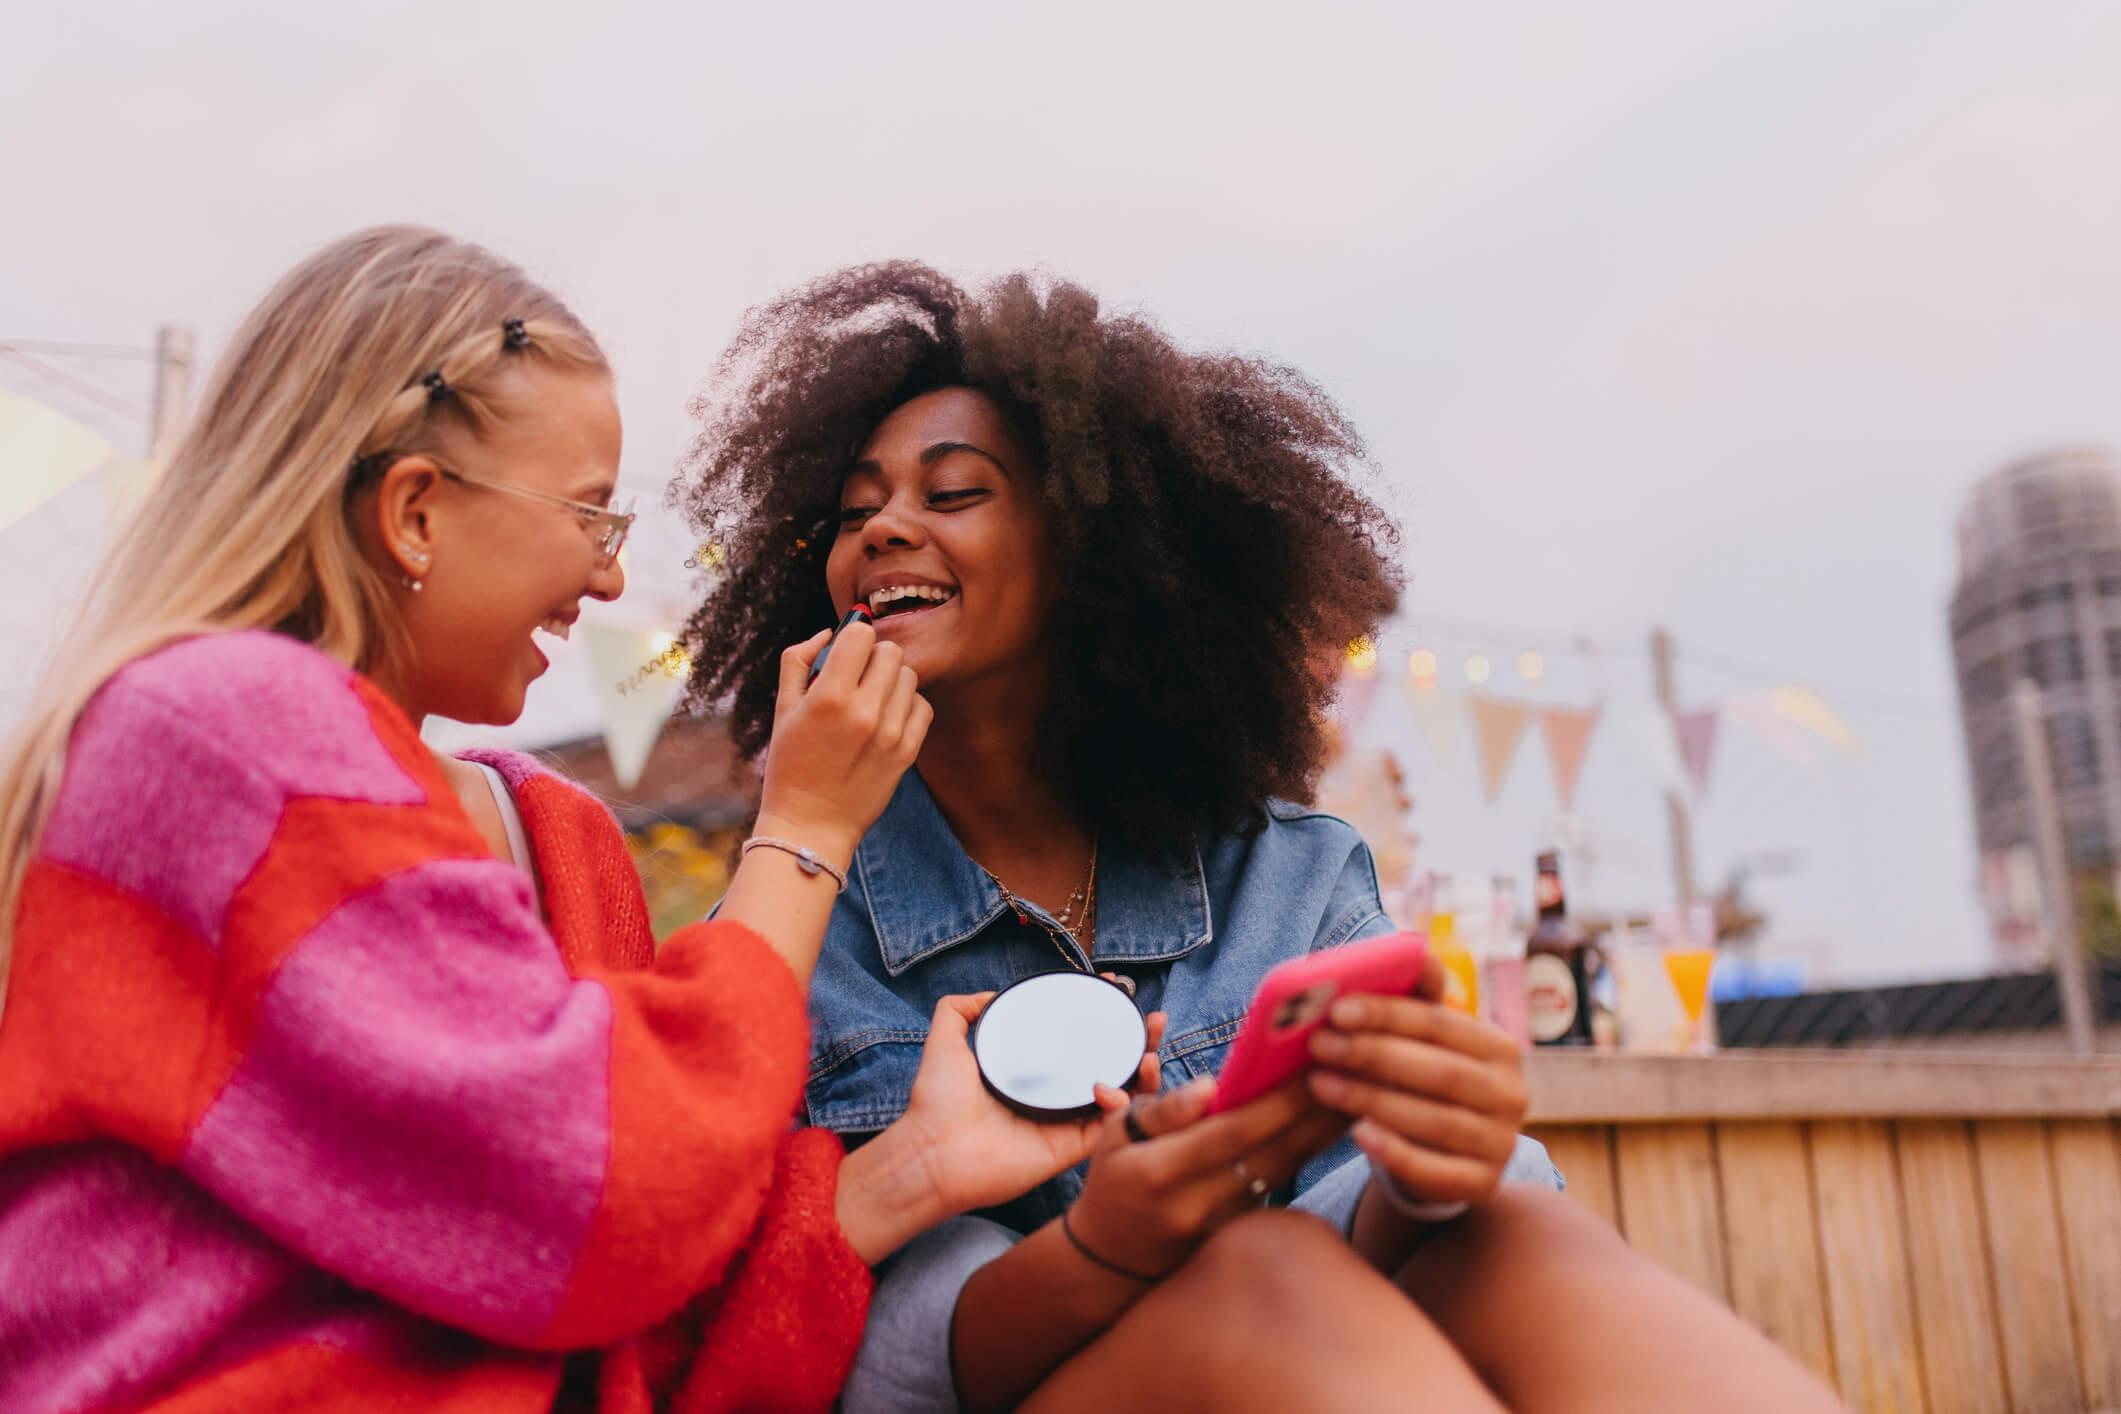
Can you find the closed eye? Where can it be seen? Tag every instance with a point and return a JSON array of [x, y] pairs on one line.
[[855, 515]]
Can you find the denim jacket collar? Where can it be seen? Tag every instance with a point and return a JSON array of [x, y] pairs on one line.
[[924, 894]]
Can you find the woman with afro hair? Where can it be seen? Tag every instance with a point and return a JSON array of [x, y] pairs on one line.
[[1124, 574]]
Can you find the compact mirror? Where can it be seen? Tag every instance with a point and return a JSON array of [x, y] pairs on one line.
[[1045, 1043]]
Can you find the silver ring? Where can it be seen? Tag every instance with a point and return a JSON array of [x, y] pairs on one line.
[[1254, 1184]]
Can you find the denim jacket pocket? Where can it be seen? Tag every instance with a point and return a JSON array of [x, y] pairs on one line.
[[862, 1081], [1200, 1051]]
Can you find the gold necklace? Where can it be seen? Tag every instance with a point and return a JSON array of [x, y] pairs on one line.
[[1080, 899], [1082, 930]]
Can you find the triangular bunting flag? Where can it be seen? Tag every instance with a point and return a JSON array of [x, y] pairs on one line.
[[44, 453], [1809, 710], [125, 485], [1758, 714], [1498, 723], [1439, 717], [1697, 744], [635, 693], [1568, 733]]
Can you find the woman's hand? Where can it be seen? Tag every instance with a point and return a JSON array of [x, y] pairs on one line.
[[1148, 1203], [840, 743], [979, 1151], [839, 747], [1437, 1096]]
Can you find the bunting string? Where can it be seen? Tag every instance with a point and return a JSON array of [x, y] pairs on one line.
[[1675, 750]]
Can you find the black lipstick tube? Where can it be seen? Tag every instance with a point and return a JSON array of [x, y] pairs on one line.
[[858, 614]]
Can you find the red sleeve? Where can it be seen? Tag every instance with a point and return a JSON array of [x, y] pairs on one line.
[[388, 1068], [780, 1333]]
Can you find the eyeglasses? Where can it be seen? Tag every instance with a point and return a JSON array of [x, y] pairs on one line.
[[607, 529]]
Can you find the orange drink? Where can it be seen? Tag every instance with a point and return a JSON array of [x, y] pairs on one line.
[[1461, 971], [1689, 970]]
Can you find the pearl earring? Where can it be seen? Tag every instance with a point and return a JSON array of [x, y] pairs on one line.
[[419, 558]]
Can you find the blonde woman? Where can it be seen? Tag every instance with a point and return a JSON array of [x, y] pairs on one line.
[[337, 1075]]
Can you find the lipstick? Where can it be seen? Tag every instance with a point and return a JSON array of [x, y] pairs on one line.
[[858, 614]]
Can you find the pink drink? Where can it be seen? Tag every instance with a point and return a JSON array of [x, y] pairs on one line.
[[1506, 997]]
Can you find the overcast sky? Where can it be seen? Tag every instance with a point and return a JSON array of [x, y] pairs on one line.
[[1702, 314]]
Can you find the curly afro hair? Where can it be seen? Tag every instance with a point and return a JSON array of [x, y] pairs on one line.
[[1209, 551]]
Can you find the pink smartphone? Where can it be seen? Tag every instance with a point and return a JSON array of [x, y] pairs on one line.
[[1274, 1043]]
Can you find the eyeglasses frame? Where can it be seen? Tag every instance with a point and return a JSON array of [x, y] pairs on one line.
[[617, 525]]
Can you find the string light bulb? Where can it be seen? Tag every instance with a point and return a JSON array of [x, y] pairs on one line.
[[1476, 669], [670, 656], [1422, 664], [1362, 656], [1530, 667]]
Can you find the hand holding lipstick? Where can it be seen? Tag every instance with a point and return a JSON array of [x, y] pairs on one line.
[[859, 614], [848, 723], [843, 734]]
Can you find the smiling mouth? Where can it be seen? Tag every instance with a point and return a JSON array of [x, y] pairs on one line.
[[902, 599]]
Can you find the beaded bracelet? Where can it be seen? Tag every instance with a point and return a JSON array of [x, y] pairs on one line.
[[806, 859]]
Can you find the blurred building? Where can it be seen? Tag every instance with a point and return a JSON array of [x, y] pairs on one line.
[[683, 819], [2018, 1013], [692, 777], [2039, 596]]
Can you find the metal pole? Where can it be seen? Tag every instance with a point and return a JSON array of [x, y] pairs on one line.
[[1675, 808], [173, 364], [2059, 919]]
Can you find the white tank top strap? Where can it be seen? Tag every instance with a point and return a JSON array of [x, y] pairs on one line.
[[511, 819]]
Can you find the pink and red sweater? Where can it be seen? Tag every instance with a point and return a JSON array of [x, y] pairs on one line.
[[302, 1105]]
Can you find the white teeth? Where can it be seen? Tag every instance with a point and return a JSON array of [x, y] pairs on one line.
[[933, 593], [558, 627]]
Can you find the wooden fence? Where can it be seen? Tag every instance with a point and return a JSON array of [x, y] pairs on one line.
[[1930, 1233]]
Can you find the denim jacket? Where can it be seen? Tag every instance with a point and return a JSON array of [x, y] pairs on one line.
[[919, 920]]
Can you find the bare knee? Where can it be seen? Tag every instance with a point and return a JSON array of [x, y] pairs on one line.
[[1535, 1223], [1287, 1280], [1287, 1315], [1271, 1234], [1274, 1258], [1522, 1241]]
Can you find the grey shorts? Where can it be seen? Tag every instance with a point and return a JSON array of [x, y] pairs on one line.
[[904, 1364]]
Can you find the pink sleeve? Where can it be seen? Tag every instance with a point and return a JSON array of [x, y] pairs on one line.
[[401, 1081]]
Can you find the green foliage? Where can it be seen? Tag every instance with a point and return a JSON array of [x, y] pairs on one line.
[[2098, 914], [683, 871]]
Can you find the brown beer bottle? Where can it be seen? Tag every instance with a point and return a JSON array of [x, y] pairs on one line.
[[1559, 964]]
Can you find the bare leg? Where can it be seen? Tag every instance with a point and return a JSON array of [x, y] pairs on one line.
[[1276, 1313], [1558, 1314]]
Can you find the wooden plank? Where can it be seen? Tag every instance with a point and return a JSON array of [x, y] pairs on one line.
[[1669, 1205], [1736, 1085], [2025, 1251], [1584, 1154], [1771, 1238], [1962, 1358], [1863, 1248], [2088, 1184]]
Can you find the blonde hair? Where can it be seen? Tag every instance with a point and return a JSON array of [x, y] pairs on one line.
[[248, 527]]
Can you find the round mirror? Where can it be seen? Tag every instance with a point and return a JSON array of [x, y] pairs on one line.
[[1045, 1043]]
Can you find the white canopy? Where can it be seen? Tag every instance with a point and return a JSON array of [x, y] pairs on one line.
[[62, 490]]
